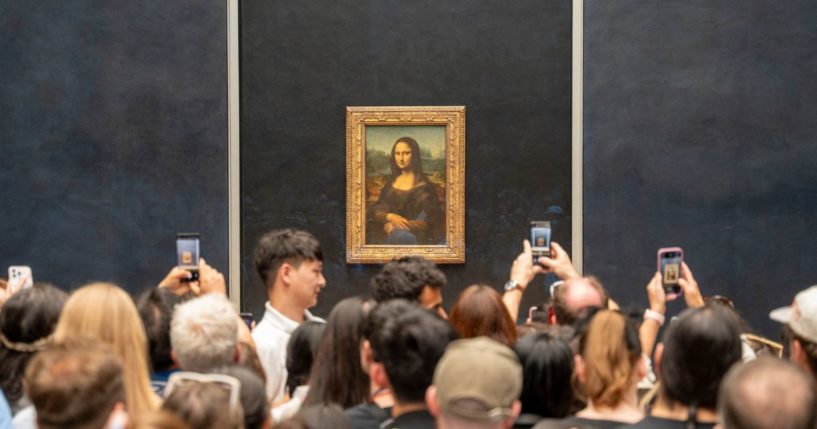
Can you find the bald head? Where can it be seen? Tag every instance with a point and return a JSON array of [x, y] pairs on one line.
[[576, 295], [767, 393]]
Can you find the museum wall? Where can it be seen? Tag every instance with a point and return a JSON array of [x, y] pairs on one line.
[[303, 63], [113, 126]]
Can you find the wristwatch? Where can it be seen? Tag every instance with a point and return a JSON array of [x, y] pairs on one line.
[[511, 285]]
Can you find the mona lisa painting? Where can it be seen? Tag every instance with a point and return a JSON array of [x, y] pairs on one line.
[[405, 177]]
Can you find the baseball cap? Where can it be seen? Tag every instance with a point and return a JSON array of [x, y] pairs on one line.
[[801, 316], [478, 379]]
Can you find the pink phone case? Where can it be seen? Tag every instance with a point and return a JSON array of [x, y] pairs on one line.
[[664, 250]]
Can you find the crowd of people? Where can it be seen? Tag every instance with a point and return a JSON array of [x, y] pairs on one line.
[[179, 355]]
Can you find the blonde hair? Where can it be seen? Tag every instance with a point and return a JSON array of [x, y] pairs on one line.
[[104, 312], [611, 351]]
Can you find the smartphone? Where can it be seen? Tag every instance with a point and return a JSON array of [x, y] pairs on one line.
[[187, 251], [247, 318], [19, 278], [669, 265], [540, 239]]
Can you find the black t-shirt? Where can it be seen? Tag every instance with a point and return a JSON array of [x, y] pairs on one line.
[[578, 422], [367, 416], [413, 420], [651, 422]]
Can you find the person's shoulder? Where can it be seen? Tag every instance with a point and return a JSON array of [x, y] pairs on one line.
[[366, 416], [650, 422]]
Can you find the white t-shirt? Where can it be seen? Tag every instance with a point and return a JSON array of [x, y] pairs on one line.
[[271, 336]]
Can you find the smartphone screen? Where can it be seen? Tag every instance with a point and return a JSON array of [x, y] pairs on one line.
[[669, 265], [540, 239], [187, 252]]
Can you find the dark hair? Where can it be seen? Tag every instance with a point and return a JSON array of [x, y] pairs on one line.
[[320, 417], [767, 393], [28, 316], [567, 316], [203, 405], [75, 385], [248, 358], [416, 165], [547, 368], [809, 348], [301, 351], [408, 340], [155, 307], [284, 245], [479, 311], [699, 347], [337, 377], [253, 396], [405, 278]]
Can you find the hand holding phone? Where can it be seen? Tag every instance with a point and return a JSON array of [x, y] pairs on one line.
[[669, 264], [187, 252]]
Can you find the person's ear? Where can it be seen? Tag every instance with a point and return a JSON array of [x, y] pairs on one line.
[[431, 401], [659, 356], [365, 355], [797, 354], [285, 273], [174, 358], [516, 409], [377, 372], [579, 369], [237, 354]]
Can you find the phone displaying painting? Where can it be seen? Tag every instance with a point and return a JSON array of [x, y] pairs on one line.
[[405, 183]]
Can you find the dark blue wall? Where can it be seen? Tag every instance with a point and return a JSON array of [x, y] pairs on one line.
[[113, 128], [508, 62], [700, 130]]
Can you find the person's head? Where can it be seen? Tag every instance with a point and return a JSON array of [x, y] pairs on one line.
[[205, 401], [337, 377], [609, 363], [248, 358], [159, 420], [301, 351], [405, 156], [408, 341], [574, 296], [547, 368], [801, 323], [104, 312], [204, 333], [477, 383], [73, 386], [767, 393], [155, 307], [479, 311], [290, 262], [26, 323], [412, 278], [698, 348], [253, 396]]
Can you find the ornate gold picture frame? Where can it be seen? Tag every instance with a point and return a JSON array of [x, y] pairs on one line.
[[405, 183]]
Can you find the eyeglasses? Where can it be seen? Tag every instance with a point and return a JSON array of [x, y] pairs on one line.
[[178, 379], [553, 287]]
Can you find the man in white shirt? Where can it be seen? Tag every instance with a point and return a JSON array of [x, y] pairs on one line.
[[290, 263]]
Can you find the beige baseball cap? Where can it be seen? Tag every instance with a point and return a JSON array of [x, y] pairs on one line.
[[478, 379], [801, 316]]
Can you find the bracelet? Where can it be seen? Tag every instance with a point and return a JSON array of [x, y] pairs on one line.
[[654, 316]]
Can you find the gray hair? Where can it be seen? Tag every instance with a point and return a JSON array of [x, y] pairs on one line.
[[204, 333]]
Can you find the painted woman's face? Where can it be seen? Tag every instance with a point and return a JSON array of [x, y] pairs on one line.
[[402, 155]]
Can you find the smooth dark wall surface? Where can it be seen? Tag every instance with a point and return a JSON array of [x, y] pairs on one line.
[[700, 131], [302, 63], [113, 125]]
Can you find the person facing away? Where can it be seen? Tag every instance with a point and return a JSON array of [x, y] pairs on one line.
[[767, 393], [408, 344], [412, 278], [290, 262]]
